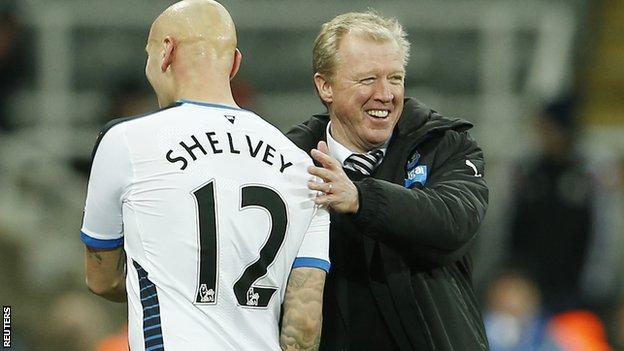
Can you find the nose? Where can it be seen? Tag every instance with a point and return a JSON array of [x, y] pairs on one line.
[[383, 91]]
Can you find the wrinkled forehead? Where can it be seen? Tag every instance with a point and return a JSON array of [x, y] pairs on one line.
[[358, 38], [377, 37]]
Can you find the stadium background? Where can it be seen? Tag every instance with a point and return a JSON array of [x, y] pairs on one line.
[[66, 67]]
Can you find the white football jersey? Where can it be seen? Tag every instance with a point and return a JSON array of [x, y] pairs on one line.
[[212, 207]]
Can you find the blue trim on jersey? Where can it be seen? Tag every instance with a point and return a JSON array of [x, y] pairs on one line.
[[101, 243], [152, 329], [311, 262], [155, 347], [145, 308], [208, 104], [145, 319], [149, 297], [153, 337]]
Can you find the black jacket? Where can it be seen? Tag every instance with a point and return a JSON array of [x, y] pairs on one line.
[[415, 237]]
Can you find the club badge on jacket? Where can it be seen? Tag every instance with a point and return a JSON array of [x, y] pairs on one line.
[[415, 173]]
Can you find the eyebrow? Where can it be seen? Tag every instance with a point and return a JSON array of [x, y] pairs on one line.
[[364, 75]]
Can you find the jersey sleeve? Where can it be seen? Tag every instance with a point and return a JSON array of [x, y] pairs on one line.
[[314, 250], [109, 182]]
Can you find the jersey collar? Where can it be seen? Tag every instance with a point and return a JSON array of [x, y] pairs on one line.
[[208, 104]]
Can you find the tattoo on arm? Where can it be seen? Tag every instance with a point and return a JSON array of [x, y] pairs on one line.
[[106, 272], [303, 307], [94, 254]]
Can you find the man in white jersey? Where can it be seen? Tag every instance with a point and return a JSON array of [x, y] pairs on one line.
[[209, 203]]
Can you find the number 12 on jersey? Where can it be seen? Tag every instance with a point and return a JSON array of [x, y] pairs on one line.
[[245, 289]]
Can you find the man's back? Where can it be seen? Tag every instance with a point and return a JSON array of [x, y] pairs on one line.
[[215, 213]]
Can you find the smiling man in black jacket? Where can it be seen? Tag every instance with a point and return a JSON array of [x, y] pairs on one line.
[[406, 191]]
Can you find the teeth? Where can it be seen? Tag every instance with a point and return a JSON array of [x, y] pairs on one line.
[[378, 113]]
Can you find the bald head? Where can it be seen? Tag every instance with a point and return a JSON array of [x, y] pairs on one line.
[[191, 41], [199, 23]]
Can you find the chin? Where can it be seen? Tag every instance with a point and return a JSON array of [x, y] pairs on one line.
[[379, 138]]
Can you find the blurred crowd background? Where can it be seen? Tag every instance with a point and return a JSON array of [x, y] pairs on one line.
[[542, 80]]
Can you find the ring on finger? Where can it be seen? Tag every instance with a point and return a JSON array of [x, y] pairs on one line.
[[330, 188]]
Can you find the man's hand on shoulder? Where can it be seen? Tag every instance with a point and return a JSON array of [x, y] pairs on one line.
[[339, 192]]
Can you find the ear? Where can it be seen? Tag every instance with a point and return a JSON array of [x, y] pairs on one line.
[[238, 57], [169, 50], [323, 88]]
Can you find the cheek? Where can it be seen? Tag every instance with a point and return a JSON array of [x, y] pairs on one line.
[[361, 96], [148, 67], [151, 71], [148, 74], [356, 103], [400, 94]]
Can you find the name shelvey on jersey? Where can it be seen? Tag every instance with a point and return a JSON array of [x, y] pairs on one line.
[[212, 207]]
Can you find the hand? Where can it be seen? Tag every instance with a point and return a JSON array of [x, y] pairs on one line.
[[339, 192]]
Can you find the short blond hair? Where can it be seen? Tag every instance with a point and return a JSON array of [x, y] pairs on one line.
[[369, 24]]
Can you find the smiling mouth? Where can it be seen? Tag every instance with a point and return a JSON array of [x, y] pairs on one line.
[[378, 113]]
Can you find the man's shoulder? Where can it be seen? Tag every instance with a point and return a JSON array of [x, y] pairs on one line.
[[113, 127], [307, 134], [115, 123], [433, 135], [419, 118]]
